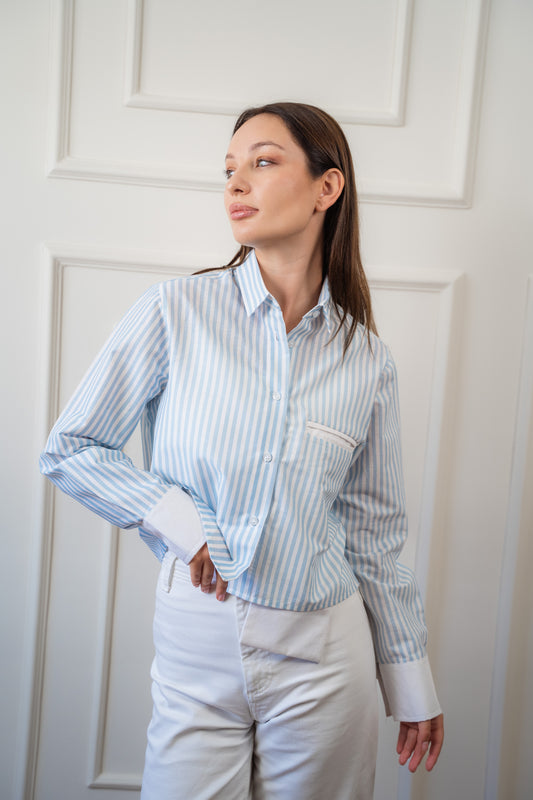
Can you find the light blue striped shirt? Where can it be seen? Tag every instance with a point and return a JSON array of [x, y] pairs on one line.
[[290, 453]]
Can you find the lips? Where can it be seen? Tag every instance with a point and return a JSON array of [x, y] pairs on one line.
[[240, 211]]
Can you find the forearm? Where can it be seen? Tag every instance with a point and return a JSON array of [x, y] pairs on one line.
[[105, 481]]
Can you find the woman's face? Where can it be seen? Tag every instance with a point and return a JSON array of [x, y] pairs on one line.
[[270, 195]]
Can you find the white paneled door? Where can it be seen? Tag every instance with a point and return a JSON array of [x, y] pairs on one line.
[[121, 113]]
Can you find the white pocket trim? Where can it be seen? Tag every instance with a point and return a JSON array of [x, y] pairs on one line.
[[332, 435], [298, 634]]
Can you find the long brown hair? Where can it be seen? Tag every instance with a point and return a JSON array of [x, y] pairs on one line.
[[325, 146]]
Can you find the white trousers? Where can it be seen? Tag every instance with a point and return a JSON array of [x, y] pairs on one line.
[[236, 722]]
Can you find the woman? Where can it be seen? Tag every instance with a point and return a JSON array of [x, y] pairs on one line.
[[270, 424]]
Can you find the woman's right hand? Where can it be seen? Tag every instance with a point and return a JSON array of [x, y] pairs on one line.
[[202, 570]]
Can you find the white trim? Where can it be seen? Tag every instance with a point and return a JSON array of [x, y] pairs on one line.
[[446, 284], [435, 433], [66, 254], [38, 600], [413, 279], [510, 554], [143, 174], [135, 97], [103, 658], [97, 777], [402, 56], [468, 105], [61, 57], [117, 780], [455, 194]]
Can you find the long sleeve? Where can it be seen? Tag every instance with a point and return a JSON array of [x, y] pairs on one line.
[[84, 454], [372, 507]]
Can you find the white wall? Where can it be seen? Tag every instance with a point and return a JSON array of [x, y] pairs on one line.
[[111, 179]]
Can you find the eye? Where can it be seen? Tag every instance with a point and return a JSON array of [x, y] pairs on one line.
[[228, 173], [263, 162]]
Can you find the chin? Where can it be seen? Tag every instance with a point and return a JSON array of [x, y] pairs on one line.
[[243, 240]]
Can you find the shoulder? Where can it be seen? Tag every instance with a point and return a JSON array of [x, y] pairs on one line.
[[196, 296], [367, 347], [195, 283]]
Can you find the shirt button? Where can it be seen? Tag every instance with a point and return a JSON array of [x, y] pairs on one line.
[[276, 396], [267, 457], [254, 521], [291, 345]]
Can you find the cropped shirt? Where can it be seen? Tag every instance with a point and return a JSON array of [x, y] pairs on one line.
[[275, 448]]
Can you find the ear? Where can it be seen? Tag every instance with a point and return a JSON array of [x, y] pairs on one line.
[[331, 186]]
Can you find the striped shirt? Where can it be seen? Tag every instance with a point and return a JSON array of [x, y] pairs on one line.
[[290, 452]]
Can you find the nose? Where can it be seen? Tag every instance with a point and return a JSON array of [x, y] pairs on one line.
[[237, 183]]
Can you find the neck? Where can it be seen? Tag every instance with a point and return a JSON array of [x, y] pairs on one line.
[[294, 280]]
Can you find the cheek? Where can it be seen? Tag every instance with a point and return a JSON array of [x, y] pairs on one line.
[[300, 190], [297, 201]]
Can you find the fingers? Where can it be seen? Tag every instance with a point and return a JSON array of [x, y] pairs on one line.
[[437, 739], [402, 738], [421, 745], [409, 746], [220, 588], [416, 738], [202, 571]]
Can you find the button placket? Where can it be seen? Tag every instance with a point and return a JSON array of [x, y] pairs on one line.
[[281, 369]]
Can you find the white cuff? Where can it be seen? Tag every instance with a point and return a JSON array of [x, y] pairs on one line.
[[176, 521], [408, 690]]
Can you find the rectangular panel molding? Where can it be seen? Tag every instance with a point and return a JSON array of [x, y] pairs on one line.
[[392, 114], [449, 186]]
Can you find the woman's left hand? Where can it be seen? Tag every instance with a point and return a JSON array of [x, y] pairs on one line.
[[415, 738]]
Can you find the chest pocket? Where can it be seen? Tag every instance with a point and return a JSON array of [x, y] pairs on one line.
[[331, 452], [332, 435]]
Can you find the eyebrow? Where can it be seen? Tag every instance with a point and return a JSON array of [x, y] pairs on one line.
[[257, 146]]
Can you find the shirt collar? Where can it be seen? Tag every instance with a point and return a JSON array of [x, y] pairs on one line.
[[250, 281], [324, 302], [254, 291]]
